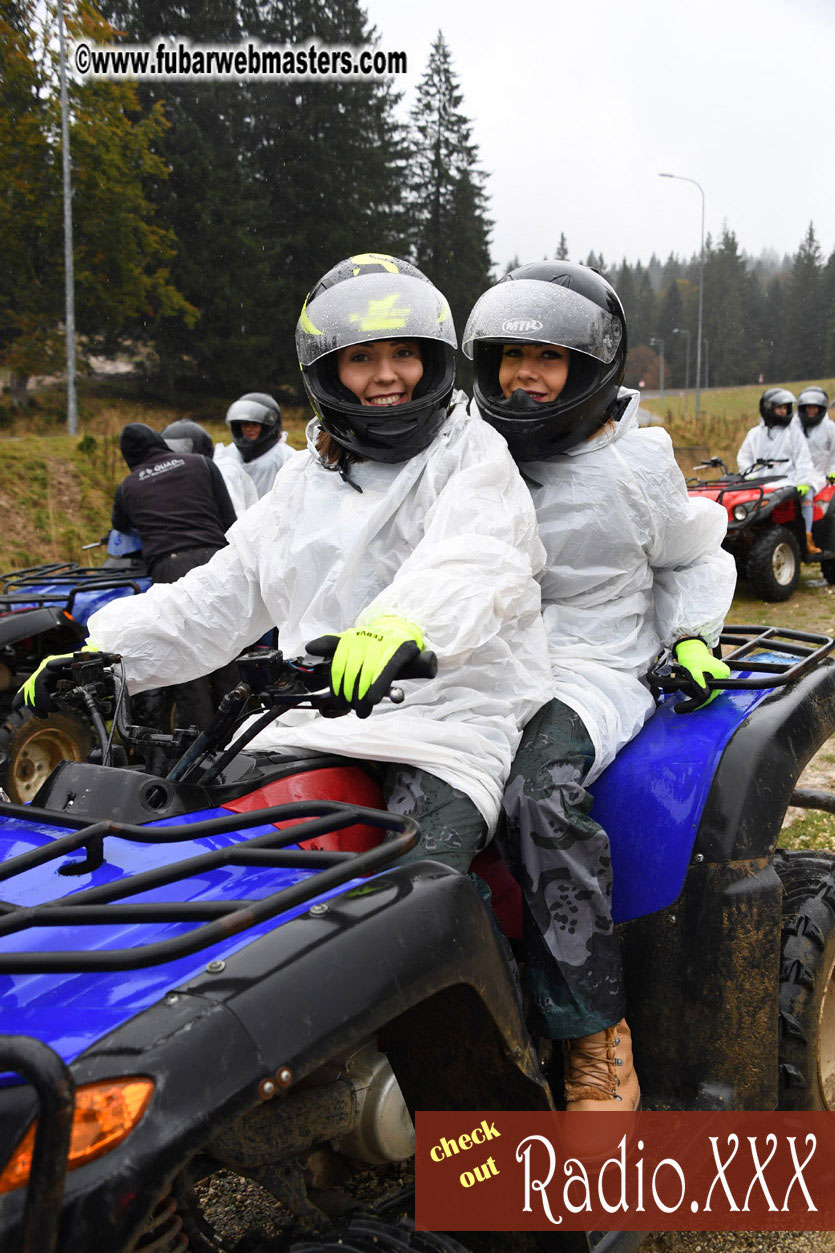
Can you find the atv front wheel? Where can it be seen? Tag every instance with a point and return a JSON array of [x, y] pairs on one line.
[[828, 570], [34, 746], [773, 565], [807, 999]]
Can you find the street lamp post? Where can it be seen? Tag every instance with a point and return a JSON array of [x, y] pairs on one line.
[[706, 361], [656, 339], [68, 258], [682, 178], [685, 330]]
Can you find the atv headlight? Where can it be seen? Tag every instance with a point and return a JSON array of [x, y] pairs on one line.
[[740, 512], [105, 1113]]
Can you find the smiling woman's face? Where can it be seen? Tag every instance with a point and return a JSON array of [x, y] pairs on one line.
[[382, 373], [540, 370]]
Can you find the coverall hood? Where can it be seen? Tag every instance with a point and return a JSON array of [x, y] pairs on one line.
[[138, 442]]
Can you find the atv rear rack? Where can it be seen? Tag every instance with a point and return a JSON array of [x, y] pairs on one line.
[[802, 651], [219, 919]]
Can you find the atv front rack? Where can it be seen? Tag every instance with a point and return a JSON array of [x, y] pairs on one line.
[[219, 919], [788, 656], [55, 1089], [69, 584]]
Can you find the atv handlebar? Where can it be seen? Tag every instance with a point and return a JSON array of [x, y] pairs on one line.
[[94, 682]]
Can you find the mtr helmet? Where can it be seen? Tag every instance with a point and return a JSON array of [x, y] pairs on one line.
[[254, 407], [549, 302], [812, 398], [187, 436], [368, 297], [771, 399]]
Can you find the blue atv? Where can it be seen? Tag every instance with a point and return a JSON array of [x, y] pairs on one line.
[[44, 610], [210, 961]]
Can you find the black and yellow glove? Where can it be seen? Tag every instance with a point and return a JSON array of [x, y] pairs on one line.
[[368, 659], [37, 692]]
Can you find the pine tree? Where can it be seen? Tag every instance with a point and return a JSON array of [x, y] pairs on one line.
[[121, 253], [562, 249], [447, 200], [804, 337], [271, 183]]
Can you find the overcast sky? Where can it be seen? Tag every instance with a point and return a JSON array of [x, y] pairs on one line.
[[577, 105]]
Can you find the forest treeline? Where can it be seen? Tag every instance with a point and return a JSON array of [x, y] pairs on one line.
[[203, 212]]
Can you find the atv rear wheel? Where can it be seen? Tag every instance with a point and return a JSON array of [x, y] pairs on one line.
[[828, 570], [773, 565], [34, 746], [807, 996]]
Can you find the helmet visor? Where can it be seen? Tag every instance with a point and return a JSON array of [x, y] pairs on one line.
[[372, 306], [532, 311]]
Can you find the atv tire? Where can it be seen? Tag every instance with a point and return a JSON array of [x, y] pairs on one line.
[[33, 746], [828, 570], [801, 874], [807, 995], [773, 565]]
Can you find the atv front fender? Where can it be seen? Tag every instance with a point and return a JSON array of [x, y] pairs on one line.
[[410, 956], [25, 623]]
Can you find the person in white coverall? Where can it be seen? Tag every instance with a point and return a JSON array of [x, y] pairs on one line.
[[259, 446], [812, 404], [779, 437], [184, 435], [404, 526], [633, 564]]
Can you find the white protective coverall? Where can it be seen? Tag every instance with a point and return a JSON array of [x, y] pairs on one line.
[[821, 441], [776, 442], [262, 470], [447, 539], [633, 563], [240, 486]]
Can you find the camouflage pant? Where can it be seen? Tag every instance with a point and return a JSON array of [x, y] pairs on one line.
[[561, 857], [452, 828]]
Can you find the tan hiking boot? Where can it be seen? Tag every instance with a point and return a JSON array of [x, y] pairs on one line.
[[599, 1074], [811, 545]]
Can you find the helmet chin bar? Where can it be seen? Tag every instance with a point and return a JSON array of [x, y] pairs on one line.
[[520, 401]]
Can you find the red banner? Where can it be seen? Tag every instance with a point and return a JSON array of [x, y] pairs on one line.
[[515, 1171]]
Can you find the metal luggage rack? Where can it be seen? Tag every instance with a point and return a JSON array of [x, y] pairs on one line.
[[802, 650], [219, 919], [70, 585]]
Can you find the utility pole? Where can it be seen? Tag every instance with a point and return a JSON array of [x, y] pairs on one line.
[[69, 283]]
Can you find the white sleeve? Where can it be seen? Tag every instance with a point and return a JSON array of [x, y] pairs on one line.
[[803, 467], [179, 631], [474, 568], [749, 452], [694, 577]]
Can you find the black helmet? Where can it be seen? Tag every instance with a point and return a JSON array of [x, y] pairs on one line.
[[810, 398], [254, 407], [549, 302], [370, 297], [770, 400], [187, 436]]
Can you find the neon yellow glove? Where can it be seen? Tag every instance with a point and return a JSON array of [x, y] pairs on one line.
[[368, 659], [36, 693], [697, 659], [803, 488]]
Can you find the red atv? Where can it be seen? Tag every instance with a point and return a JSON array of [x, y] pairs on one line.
[[766, 532]]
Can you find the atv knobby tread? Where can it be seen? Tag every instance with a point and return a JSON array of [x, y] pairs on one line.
[[806, 977]]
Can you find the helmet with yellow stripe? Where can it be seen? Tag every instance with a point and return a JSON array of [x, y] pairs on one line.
[[363, 299]]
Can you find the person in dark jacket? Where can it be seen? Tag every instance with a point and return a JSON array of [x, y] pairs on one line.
[[180, 505]]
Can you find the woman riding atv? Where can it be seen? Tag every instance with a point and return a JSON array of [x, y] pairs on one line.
[[633, 565], [779, 437], [405, 525]]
